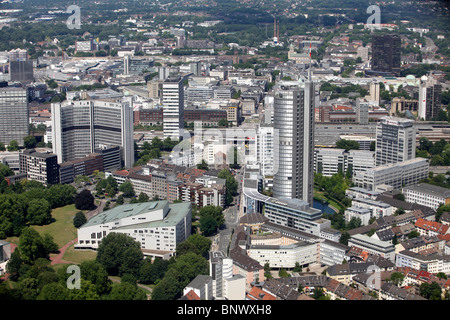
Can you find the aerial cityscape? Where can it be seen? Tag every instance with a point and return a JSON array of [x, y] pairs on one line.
[[214, 150]]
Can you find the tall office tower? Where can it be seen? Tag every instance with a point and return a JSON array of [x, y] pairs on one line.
[[362, 111], [126, 64], [265, 140], [196, 68], [294, 122], [395, 140], [386, 53], [375, 92], [14, 123], [80, 127], [20, 68], [173, 107], [430, 99]]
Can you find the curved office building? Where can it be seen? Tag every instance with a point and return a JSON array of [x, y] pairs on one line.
[[294, 122], [80, 127]]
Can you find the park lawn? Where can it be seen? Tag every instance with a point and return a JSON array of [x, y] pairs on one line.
[[62, 229], [78, 256]]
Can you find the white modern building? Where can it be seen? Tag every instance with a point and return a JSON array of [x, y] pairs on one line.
[[396, 175], [427, 195], [331, 161], [266, 157], [396, 140], [377, 208], [173, 107], [158, 226], [294, 103], [373, 246], [360, 213], [285, 256], [296, 214], [226, 284], [433, 263]]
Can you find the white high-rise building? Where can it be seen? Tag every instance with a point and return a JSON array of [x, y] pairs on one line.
[[173, 107], [396, 140], [294, 122], [265, 140], [80, 127]]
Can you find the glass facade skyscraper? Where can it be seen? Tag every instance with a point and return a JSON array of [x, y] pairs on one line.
[[294, 123], [14, 123]]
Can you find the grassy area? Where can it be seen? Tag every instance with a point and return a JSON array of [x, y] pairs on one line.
[[78, 256], [62, 229]]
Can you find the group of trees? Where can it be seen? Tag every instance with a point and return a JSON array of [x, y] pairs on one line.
[[333, 187], [153, 151], [118, 255], [211, 218], [230, 184], [438, 152], [30, 203]]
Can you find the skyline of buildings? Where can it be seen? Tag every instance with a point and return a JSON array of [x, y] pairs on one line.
[[312, 146]]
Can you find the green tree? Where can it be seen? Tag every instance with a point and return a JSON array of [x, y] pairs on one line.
[[143, 197], [13, 145], [79, 219], [126, 291], [29, 142], [53, 291], [39, 212], [119, 253], [203, 165], [230, 185], [94, 272], [151, 272], [127, 189], [84, 200], [345, 236], [31, 246]]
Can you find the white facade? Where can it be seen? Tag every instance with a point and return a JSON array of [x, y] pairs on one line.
[[427, 195], [374, 246], [396, 175], [361, 213], [396, 140], [377, 208], [266, 156], [173, 108], [285, 256], [157, 226]]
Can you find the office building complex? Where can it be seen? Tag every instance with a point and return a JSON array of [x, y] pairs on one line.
[[173, 107], [427, 195], [386, 54], [158, 226], [396, 175], [81, 127], [37, 166], [396, 140], [296, 214], [294, 122], [14, 123]]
